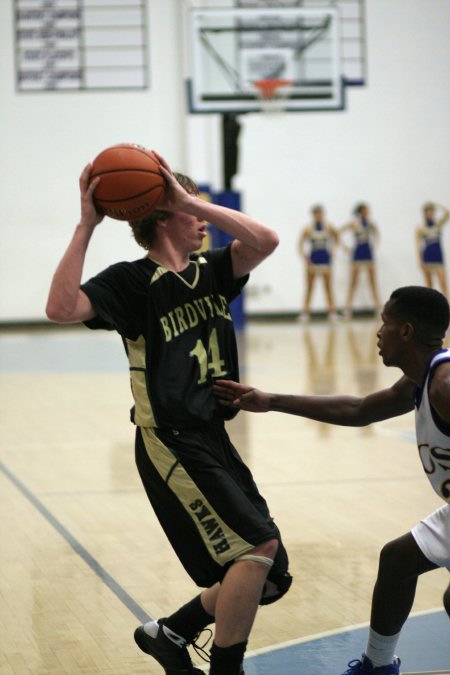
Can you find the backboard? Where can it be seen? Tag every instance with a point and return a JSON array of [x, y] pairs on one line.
[[231, 49]]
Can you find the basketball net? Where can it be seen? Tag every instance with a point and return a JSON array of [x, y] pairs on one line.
[[272, 94]]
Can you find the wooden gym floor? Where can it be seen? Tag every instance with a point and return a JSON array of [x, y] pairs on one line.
[[82, 558]]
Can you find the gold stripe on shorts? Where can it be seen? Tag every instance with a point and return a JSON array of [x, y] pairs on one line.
[[223, 544]]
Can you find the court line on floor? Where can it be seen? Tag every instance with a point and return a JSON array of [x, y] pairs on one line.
[[331, 633], [134, 607], [77, 547]]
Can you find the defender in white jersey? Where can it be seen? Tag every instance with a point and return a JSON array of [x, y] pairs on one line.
[[414, 323]]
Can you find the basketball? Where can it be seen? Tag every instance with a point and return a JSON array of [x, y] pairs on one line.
[[131, 184]]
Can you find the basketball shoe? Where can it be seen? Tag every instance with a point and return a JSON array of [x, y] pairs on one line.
[[173, 657], [365, 667]]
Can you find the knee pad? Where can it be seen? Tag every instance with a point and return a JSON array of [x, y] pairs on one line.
[[279, 576], [263, 560], [282, 580], [283, 583]]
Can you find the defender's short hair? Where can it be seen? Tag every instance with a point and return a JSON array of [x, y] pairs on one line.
[[144, 228], [426, 308]]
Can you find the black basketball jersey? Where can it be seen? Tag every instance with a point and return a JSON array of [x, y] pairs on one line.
[[177, 331]]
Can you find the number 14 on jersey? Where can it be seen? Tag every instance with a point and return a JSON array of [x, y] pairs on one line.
[[208, 358]]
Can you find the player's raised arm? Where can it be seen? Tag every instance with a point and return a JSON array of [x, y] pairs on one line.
[[340, 410], [253, 241], [66, 302]]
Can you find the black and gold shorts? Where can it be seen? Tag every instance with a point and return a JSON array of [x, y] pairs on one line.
[[205, 498]]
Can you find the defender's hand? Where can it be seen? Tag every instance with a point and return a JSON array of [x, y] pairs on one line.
[[235, 395]]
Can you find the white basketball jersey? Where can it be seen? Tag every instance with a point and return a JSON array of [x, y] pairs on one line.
[[432, 440]]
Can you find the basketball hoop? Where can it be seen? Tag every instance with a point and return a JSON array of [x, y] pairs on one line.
[[272, 93]]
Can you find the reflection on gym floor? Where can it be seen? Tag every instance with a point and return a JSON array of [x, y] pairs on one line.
[[84, 559]]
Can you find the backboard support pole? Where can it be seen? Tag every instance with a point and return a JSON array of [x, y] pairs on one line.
[[230, 147]]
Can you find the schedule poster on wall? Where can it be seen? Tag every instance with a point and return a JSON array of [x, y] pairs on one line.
[[81, 44]]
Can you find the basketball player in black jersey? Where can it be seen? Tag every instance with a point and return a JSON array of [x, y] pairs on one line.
[[414, 323], [171, 309]]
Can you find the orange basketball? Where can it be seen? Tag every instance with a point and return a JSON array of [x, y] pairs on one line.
[[131, 183]]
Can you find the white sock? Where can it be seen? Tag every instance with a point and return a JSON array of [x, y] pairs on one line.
[[151, 628], [381, 648]]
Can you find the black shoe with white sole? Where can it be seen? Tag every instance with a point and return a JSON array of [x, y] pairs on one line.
[[173, 658]]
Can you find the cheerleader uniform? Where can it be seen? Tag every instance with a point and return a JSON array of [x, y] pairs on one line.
[[432, 255], [363, 251], [320, 256]]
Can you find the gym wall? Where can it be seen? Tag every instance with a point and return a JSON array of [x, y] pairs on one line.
[[389, 147]]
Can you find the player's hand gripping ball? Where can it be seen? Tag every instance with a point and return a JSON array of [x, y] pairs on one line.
[[131, 184]]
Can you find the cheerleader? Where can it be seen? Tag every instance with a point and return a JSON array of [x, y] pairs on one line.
[[366, 236], [316, 248], [429, 245]]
